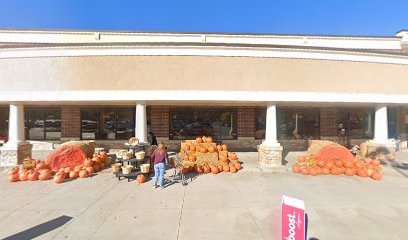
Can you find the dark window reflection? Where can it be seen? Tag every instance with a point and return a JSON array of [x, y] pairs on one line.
[[302, 123], [43, 123], [4, 117], [356, 123], [107, 123], [188, 123]]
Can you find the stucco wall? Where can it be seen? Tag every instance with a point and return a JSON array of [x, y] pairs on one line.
[[201, 73]]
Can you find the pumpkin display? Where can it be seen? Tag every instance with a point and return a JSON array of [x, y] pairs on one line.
[[45, 175], [90, 170], [233, 169], [362, 172], [214, 170], [206, 169], [338, 163], [192, 158], [141, 178], [198, 169], [187, 147], [349, 172], [376, 162], [211, 149], [199, 140], [59, 177], [219, 168], [78, 168], [192, 148], [301, 159], [224, 147], [313, 172], [326, 170], [219, 148], [13, 177], [209, 140], [186, 158]]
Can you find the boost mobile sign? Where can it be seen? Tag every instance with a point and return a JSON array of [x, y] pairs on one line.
[[293, 219]]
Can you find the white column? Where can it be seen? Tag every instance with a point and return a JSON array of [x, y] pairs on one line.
[[141, 122], [16, 124], [381, 125], [271, 129]]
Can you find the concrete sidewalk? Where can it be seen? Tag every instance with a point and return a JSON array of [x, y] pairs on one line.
[[245, 205]]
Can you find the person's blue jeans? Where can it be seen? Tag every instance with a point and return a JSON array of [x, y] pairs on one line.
[[159, 172]]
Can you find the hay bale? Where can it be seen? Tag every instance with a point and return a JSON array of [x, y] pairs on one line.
[[317, 145], [88, 147]]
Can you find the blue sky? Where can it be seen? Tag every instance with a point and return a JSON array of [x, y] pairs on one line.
[[340, 17]]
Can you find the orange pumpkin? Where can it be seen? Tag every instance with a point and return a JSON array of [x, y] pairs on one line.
[[206, 168], [32, 176], [376, 162], [301, 159], [73, 174], [225, 168], [368, 160], [90, 170], [186, 158], [59, 177], [141, 178], [203, 150], [326, 171], [376, 176], [192, 158], [338, 163], [335, 171], [23, 176], [321, 163], [208, 140], [219, 168], [199, 140], [103, 155], [224, 147], [198, 169], [211, 149], [13, 177], [330, 164], [313, 171], [83, 174], [362, 172], [296, 168], [192, 148], [219, 148], [233, 169], [233, 156], [87, 162], [214, 170], [187, 147], [78, 168], [349, 172], [319, 170], [97, 159], [348, 164], [45, 175], [223, 158], [304, 171], [237, 165]]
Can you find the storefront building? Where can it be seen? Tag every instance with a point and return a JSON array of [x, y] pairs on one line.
[[243, 90]]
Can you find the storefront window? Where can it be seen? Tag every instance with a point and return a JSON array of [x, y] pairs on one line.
[[298, 123], [43, 123], [356, 123], [260, 123], [4, 117], [107, 123], [188, 123]]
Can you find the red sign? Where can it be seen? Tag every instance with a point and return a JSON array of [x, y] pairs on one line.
[[293, 219]]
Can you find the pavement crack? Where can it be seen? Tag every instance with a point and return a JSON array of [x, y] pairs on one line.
[[181, 212]]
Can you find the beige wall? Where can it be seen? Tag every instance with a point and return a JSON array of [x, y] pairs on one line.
[[201, 73]]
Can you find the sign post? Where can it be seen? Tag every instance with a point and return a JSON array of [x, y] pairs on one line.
[[293, 219]]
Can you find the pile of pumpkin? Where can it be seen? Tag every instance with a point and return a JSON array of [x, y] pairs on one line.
[[39, 170], [311, 165], [225, 161]]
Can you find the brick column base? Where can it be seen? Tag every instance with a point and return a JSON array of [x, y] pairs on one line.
[[270, 158], [13, 154]]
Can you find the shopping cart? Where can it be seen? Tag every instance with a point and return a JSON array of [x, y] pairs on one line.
[[178, 169]]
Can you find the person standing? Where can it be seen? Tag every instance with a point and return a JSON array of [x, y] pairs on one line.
[[153, 140], [159, 156]]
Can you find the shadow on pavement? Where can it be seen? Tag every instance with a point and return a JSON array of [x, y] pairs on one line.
[[40, 229]]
